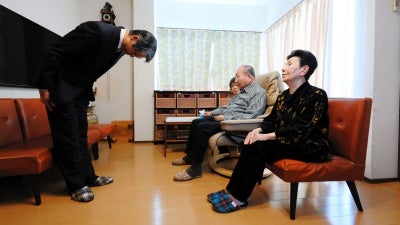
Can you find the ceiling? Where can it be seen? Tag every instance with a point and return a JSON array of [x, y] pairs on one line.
[[263, 3]]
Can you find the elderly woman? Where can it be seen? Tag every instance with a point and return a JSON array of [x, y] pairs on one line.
[[297, 128]]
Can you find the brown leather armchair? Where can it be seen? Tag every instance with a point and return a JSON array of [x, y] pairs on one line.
[[106, 129], [349, 120], [273, 85]]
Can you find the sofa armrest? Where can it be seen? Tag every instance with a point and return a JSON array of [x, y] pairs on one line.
[[244, 126]]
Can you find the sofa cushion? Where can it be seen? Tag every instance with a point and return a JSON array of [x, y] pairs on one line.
[[9, 123], [104, 128], [291, 170], [21, 160], [93, 136], [34, 120]]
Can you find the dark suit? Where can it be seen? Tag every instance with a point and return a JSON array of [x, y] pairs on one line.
[[68, 72], [78, 59]]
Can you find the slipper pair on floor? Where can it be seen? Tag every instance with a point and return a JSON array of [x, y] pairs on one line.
[[222, 202], [85, 194]]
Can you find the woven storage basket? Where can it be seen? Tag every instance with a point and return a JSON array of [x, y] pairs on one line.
[[186, 113], [223, 99], [186, 100], [160, 131], [165, 100], [159, 136], [161, 114], [208, 100]]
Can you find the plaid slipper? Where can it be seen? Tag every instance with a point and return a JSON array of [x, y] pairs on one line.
[[83, 195], [217, 194], [101, 180], [225, 204]]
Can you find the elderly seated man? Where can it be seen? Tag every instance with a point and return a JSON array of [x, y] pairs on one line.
[[248, 104]]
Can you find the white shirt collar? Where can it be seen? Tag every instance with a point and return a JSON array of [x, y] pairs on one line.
[[121, 36]]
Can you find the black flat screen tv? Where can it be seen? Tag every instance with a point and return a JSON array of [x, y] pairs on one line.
[[22, 46]]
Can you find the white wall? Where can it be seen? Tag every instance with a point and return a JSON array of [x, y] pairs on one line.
[[143, 11], [383, 155], [114, 100], [275, 11], [179, 14], [115, 95], [214, 16]]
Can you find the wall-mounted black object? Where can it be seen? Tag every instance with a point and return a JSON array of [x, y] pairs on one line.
[[22, 46], [107, 14]]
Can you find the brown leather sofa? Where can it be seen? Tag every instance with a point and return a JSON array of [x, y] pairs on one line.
[[17, 156], [25, 141]]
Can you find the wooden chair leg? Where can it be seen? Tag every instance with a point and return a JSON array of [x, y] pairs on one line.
[[109, 140], [293, 199], [353, 189], [34, 180]]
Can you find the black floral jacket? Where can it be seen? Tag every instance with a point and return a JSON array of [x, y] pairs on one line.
[[301, 119]]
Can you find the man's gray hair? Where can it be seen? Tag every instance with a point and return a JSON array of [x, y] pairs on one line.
[[248, 69]]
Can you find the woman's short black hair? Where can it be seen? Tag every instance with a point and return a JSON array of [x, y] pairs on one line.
[[306, 58]]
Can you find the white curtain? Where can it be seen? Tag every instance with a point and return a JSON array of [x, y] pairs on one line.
[[203, 60], [303, 27], [343, 69], [183, 59], [231, 50], [329, 29]]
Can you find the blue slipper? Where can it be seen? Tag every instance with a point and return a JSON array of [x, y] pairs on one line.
[[217, 194], [226, 204]]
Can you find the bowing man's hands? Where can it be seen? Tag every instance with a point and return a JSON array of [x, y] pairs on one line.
[[45, 99]]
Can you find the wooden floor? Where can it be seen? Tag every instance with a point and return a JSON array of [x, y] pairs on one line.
[[144, 193]]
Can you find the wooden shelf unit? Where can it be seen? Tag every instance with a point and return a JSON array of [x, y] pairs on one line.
[[183, 104]]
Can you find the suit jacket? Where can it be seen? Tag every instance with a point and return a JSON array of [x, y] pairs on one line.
[[78, 59]]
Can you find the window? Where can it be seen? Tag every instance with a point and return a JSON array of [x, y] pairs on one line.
[[203, 60]]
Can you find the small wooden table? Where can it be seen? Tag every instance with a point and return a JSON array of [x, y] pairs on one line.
[[174, 121]]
